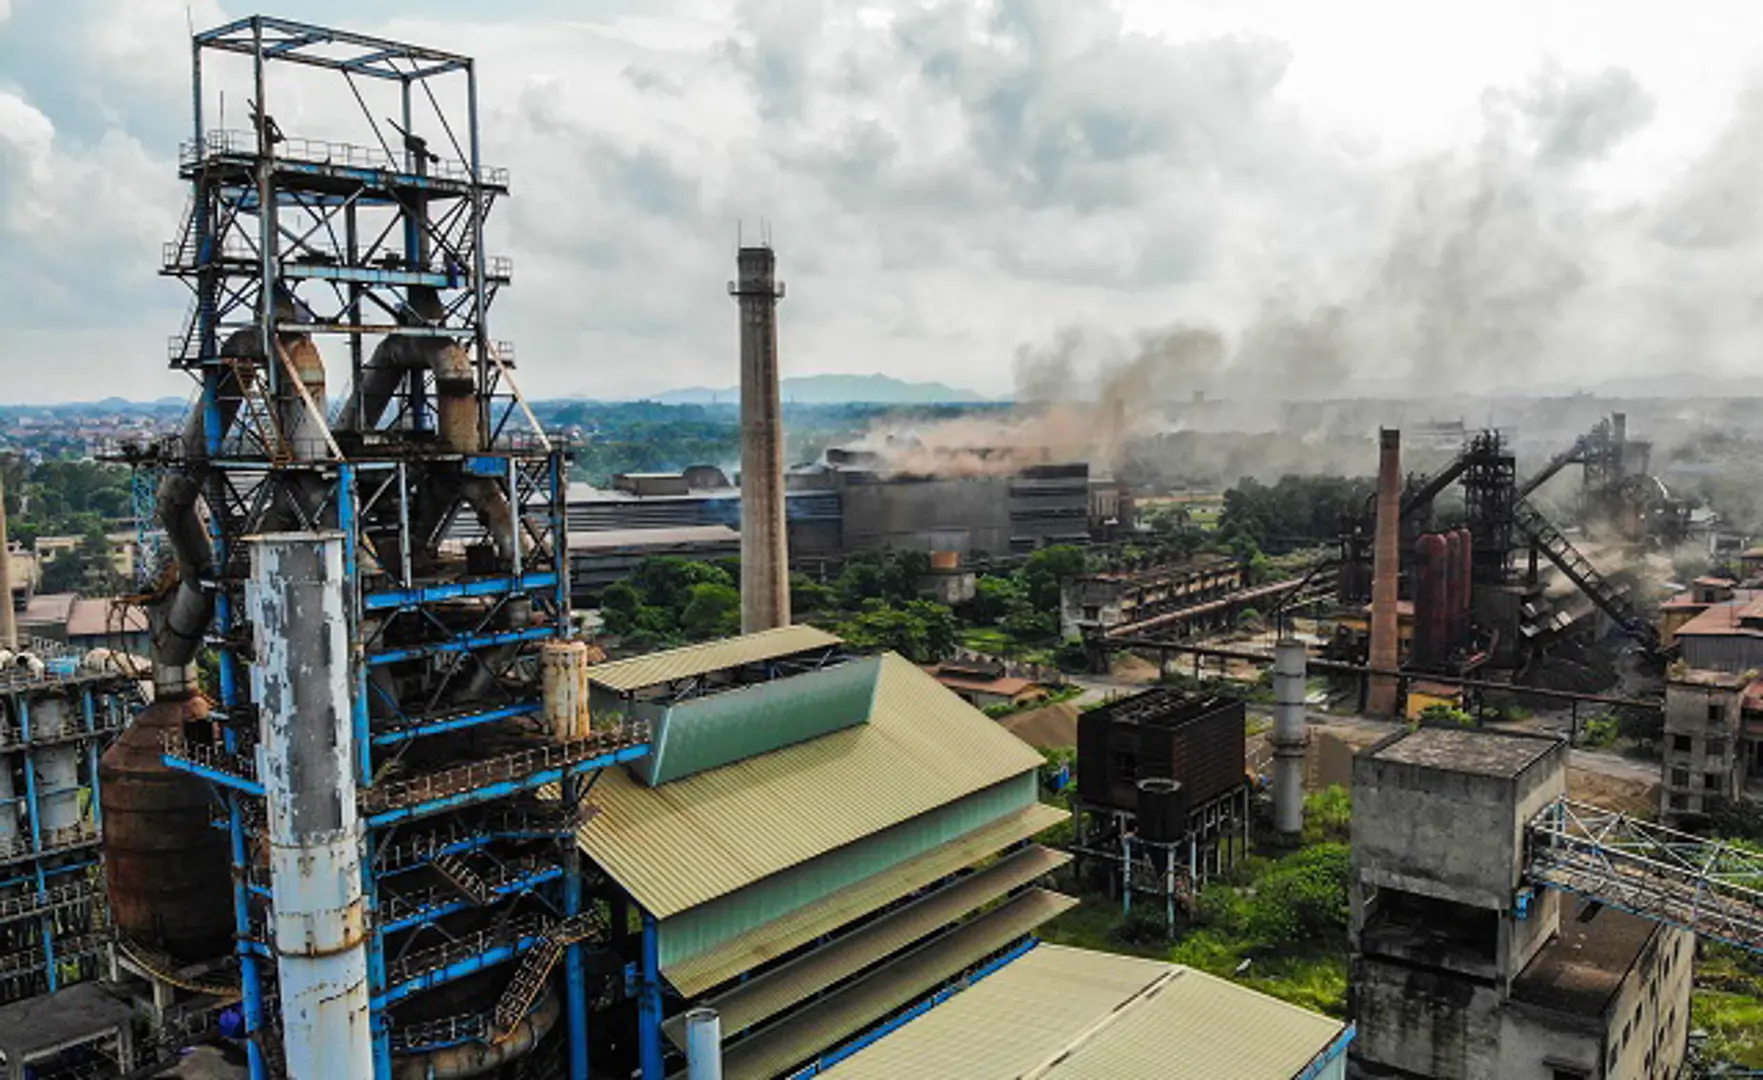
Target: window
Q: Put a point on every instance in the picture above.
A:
(1680, 778)
(1711, 781)
(1715, 712)
(1126, 767)
(1558, 1073)
(1680, 743)
(1717, 748)
(1680, 802)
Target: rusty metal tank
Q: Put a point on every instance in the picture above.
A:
(168, 868)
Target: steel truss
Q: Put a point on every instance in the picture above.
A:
(1708, 887)
(456, 558)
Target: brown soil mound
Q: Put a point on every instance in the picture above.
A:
(1047, 728)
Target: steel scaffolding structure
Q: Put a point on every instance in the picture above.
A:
(55, 720)
(1707, 887)
(449, 500)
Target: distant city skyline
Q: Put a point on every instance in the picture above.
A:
(1467, 195)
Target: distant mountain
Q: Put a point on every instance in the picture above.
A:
(833, 390)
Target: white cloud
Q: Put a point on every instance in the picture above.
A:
(946, 181)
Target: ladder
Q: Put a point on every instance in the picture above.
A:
(1582, 573)
(461, 876)
(535, 968)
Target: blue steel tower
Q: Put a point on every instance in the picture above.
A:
(448, 499)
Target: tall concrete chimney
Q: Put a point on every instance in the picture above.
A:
(307, 764)
(765, 557)
(1386, 569)
(8, 621)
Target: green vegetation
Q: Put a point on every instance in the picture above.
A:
(1728, 1005)
(69, 498)
(1445, 716)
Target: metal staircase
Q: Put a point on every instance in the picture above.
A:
(459, 874)
(1582, 573)
(1711, 888)
(535, 968)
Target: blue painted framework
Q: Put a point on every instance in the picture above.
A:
(233, 195)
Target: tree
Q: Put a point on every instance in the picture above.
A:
(1045, 571)
(923, 631)
(808, 596)
(712, 610)
(1303, 898)
(993, 597)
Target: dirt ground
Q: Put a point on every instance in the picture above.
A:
(1047, 728)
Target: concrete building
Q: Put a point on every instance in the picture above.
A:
(1117, 598)
(1713, 742)
(1726, 635)
(1460, 970)
(1070, 1014)
(984, 682)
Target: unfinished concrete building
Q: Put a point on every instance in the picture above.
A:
(1461, 968)
(1712, 745)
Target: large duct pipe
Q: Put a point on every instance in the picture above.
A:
(1386, 568)
(307, 763)
(477, 1058)
(1289, 691)
(703, 1044)
(765, 557)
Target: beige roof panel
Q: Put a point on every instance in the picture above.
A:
(656, 668)
(695, 974)
(1072, 1014)
(684, 843)
(767, 995)
(850, 1009)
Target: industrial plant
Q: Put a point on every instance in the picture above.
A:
(352, 786)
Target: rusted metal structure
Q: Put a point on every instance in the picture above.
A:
(765, 557)
(56, 716)
(445, 577)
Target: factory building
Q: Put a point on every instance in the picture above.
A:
(1070, 1014)
(817, 840)
(1461, 968)
(1108, 600)
(846, 504)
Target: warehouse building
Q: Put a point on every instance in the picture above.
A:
(1059, 1013)
(818, 840)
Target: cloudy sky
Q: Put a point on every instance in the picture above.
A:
(1462, 194)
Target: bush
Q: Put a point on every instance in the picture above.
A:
(1302, 898)
(1328, 815)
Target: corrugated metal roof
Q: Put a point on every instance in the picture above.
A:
(771, 993)
(661, 667)
(682, 844)
(1072, 1014)
(849, 1010)
(696, 974)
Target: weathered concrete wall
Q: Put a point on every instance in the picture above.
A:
(1534, 1043)
(881, 514)
(1423, 1023)
(1655, 1000)
(1452, 835)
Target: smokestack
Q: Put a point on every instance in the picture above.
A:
(703, 1044)
(765, 563)
(301, 676)
(1386, 568)
(1289, 692)
(8, 621)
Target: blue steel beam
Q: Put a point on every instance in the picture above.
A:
(214, 776)
(454, 723)
(462, 643)
(504, 788)
(455, 971)
(649, 1003)
(491, 586)
(441, 911)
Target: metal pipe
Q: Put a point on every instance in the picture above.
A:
(563, 668)
(1386, 571)
(649, 1003)
(765, 557)
(703, 1044)
(301, 678)
(1289, 657)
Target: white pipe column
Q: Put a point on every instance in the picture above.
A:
(703, 1044)
(307, 763)
(1289, 691)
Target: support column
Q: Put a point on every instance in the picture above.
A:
(1288, 736)
(649, 1002)
(302, 678)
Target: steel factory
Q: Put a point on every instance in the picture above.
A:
(359, 793)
